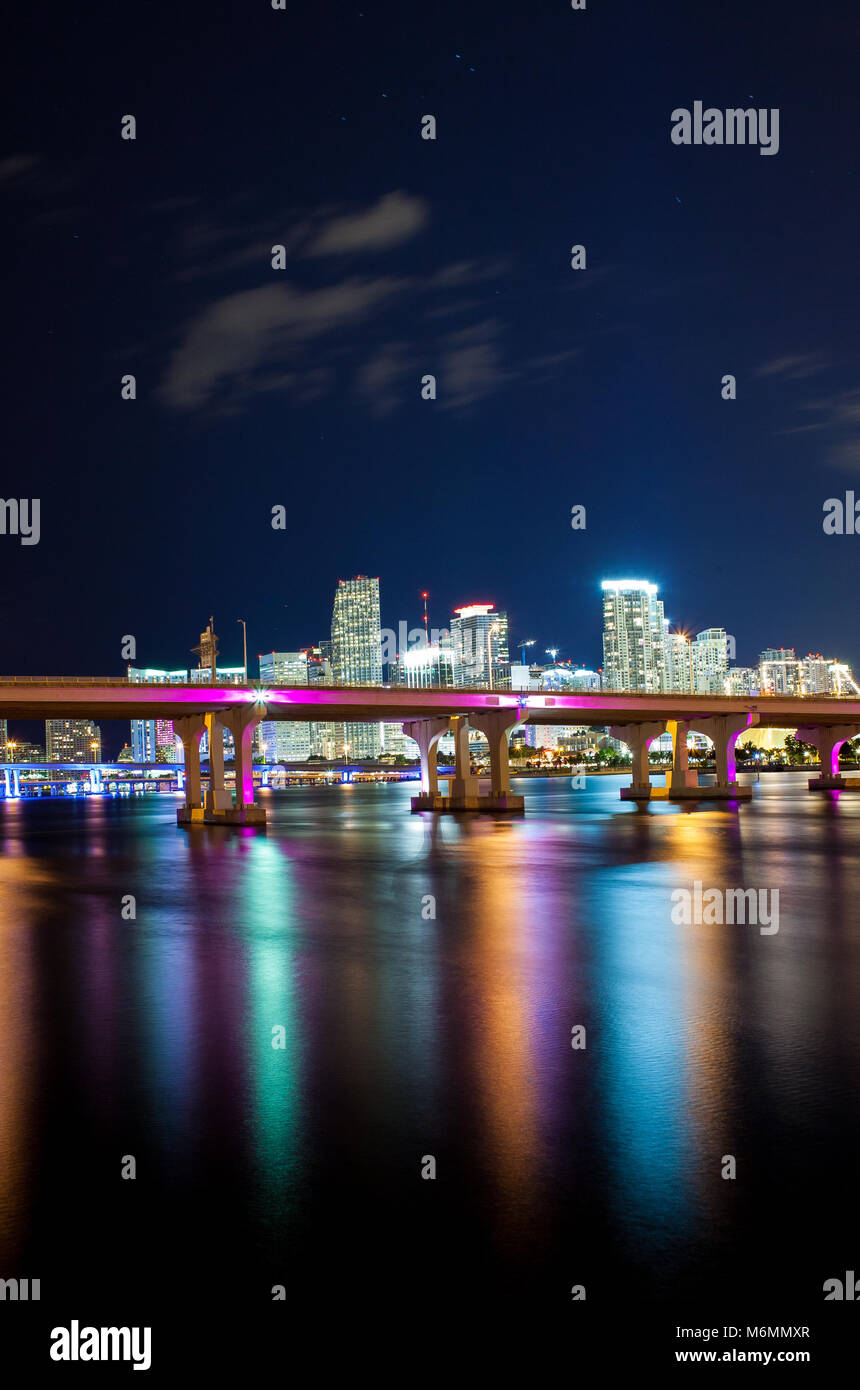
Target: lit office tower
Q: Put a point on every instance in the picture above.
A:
(678, 656)
(72, 741)
(4, 739)
(356, 653)
(781, 672)
(633, 636)
(480, 639)
(710, 661)
(285, 741)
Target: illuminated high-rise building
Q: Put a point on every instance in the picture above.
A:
(285, 741)
(633, 636)
(710, 661)
(356, 653)
(4, 739)
(781, 672)
(678, 663)
(72, 741)
(480, 641)
(743, 680)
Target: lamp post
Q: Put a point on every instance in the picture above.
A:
(244, 649)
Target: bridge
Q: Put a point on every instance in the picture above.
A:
(825, 721)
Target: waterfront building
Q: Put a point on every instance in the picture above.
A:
(356, 654)
(633, 636)
(678, 658)
(781, 672)
(710, 661)
(479, 639)
(72, 741)
(743, 680)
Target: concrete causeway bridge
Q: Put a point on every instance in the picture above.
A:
(825, 721)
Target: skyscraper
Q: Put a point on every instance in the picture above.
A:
(633, 636)
(284, 740)
(356, 654)
(710, 661)
(678, 661)
(480, 639)
(781, 672)
(72, 741)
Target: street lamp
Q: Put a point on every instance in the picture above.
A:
(494, 627)
(11, 745)
(244, 649)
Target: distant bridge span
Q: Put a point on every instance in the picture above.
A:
(824, 720)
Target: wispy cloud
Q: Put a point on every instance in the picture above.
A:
(260, 329)
(793, 368)
(395, 218)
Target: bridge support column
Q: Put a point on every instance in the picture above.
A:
(427, 733)
(464, 783)
(828, 739)
(724, 730)
(242, 723)
(190, 728)
(496, 727)
(217, 798)
(464, 793)
(638, 738)
(681, 777)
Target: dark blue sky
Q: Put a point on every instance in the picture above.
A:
(406, 257)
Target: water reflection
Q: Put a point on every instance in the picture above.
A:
(423, 977)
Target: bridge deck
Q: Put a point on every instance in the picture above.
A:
(46, 697)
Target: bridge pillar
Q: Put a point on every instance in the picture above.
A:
(217, 797)
(464, 783)
(681, 776)
(190, 728)
(427, 733)
(464, 792)
(828, 739)
(724, 730)
(496, 726)
(638, 738)
(242, 724)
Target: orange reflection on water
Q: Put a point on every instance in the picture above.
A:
(505, 1080)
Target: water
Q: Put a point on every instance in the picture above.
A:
(407, 1036)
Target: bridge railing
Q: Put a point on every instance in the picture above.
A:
(255, 684)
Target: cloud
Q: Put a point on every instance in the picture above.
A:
(471, 367)
(380, 380)
(394, 219)
(839, 419)
(256, 329)
(793, 368)
(16, 166)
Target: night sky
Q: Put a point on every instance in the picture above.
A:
(405, 256)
